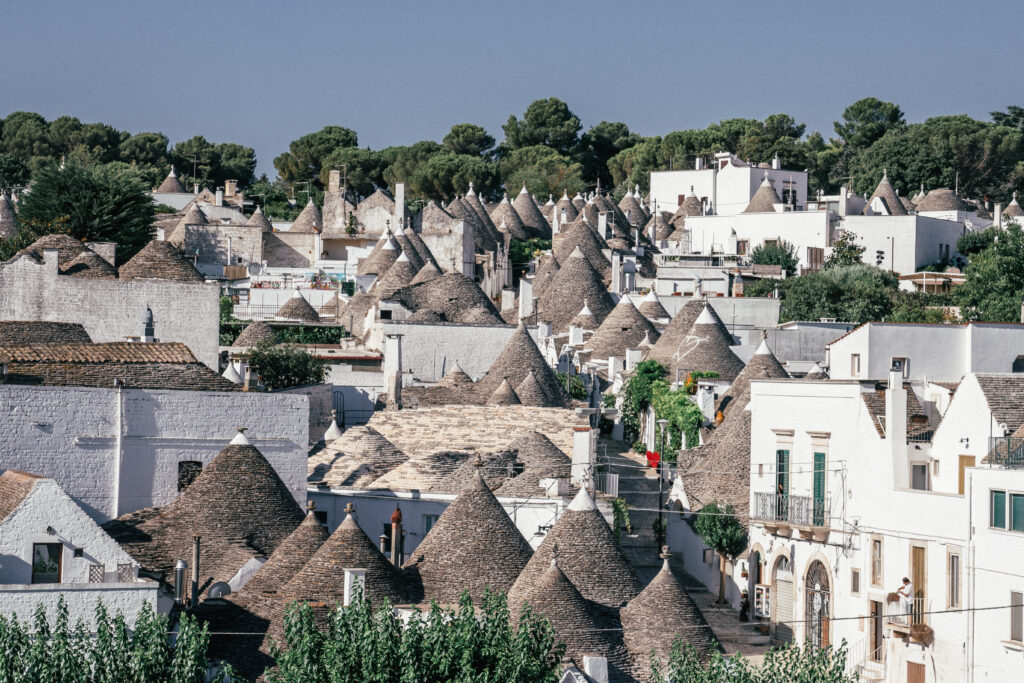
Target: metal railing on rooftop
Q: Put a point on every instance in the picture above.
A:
(1006, 451)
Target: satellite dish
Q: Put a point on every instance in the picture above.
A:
(219, 590)
(254, 269)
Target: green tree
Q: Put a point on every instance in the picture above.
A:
(307, 156)
(974, 241)
(470, 139)
(1012, 117)
(637, 394)
(994, 282)
(858, 293)
(780, 253)
(867, 120)
(790, 662)
(197, 161)
(721, 530)
(404, 163)
(543, 170)
(236, 163)
(281, 366)
(845, 251)
(13, 172)
(98, 204)
(147, 152)
(601, 143)
(917, 307)
(778, 135)
(547, 122)
(683, 415)
(26, 135)
(364, 168)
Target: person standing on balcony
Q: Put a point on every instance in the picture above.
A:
(906, 593)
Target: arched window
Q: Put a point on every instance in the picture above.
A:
(781, 597)
(816, 604)
(1018, 364)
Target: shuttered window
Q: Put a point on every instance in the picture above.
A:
(1016, 616)
(997, 507)
(1017, 511)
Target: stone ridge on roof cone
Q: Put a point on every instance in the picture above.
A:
(323, 577)
(259, 220)
(505, 215)
(472, 545)
(765, 199)
(309, 220)
(473, 202)
(666, 603)
(407, 249)
(885, 192)
(171, 184)
(519, 357)
(503, 395)
(574, 282)
(581, 626)
(588, 554)
(160, 261)
(455, 376)
(534, 221)
(298, 309)
(290, 557)
(624, 328)
(256, 332)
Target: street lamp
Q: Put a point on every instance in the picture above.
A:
(660, 531)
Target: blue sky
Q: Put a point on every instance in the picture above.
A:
(264, 73)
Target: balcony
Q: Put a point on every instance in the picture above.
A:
(910, 618)
(782, 513)
(1005, 451)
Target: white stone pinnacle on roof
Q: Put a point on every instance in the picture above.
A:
(401, 257)
(231, 374)
(582, 502)
(333, 431)
(586, 309)
(470, 192)
(390, 244)
(577, 252)
(565, 194)
(651, 297)
(240, 438)
(297, 294)
(762, 349)
(523, 191)
(705, 317)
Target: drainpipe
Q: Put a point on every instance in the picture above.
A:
(971, 553)
(195, 571)
(118, 446)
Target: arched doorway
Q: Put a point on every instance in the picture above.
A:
(782, 609)
(816, 604)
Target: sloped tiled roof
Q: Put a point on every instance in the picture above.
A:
(534, 221)
(356, 459)
(1005, 397)
(160, 260)
(381, 258)
(420, 247)
(427, 273)
(541, 459)
(691, 206)
(662, 228)
(1013, 209)
(26, 332)
(400, 274)
(547, 267)
(676, 341)
(353, 313)
(583, 236)
(193, 216)
(762, 364)
(571, 212)
(588, 554)
(529, 391)
(15, 485)
(472, 200)
(651, 308)
(630, 208)
(473, 544)
(706, 348)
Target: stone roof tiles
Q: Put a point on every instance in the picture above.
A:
(575, 282)
(400, 274)
(160, 260)
(259, 220)
(503, 395)
(453, 296)
(624, 328)
(357, 459)
(29, 332)
(533, 220)
(765, 199)
(255, 333)
(309, 220)
(15, 485)
(887, 193)
(297, 309)
(507, 220)
(290, 556)
(651, 308)
(381, 258)
(941, 199)
(171, 184)
(520, 357)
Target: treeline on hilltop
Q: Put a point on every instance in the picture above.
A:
(547, 149)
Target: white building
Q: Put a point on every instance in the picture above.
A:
(50, 548)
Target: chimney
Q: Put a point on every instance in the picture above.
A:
(51, 259)
(615, 366)
(393, 369)
(508, 299)
(230, 188)
(602, 225)
(576, 333)
(583, 456)
(896, 425)
(698, 164)
(355, 579)
(251, 381)
(195, 571)
(334, 180)
(195, 189)
(543, 329)
(776, 162)
(596, 668)
(397, 541)
(616, 286)
(633, 356)
(179, 582)
(525, 298)
(997, 215)
(706, 400)
(399, 218)
(219, 201)
(148, 334)
(842, 200)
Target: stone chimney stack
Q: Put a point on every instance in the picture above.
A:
(896, 425)
(148, 334)
(602, 225)
(334, 180)
(230, 188)
(997, 214)
(397, 541)
(584, 452)
(596, 668)
(393, 369)
(399, 218)
(251, 381)
(219, 198)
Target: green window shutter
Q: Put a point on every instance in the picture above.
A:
(782, 470)
(819, 489)
(1017, 511)
(998, 508)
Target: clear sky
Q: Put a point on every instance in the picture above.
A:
(263, 73)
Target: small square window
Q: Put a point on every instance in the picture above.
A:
(79, 552)
(855, 581)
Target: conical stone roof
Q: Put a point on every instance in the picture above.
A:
(519, 357)
(407, 249)
(530, 393)
(666, 603)
(290, 557)
(886, 193)
(427, 273)
(353, 315)
(630, 208)
(360, 456)
(331, 307)
(507, 220)
(171, 183)
(420, 247)
(89, 264)
(583, 236)
(651, 308)
(455, 377)
(585, 320)
(541, 459)
(323, 577)
(691, 206)
(662, 228)
(588, 554)
(547, 266)
(381, 258)
(298, 309)
(579, 202)
(193, 216)
(624, 328)
(765, 199)
(309, 220)
(706, 349)
(472, 545)
(503, 396)
(575, 282)
(942, 199)
(570, 212)
(1013, 209)
(674, 335)
(400, 274)
(160, 260)
(259, 220)
(762, 364)
(816, 373)
(255, 333)
(483, 215)
(533, 220)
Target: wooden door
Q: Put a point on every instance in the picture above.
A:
(965, 461)
(876, 631)
(917, 576)
(915, 672)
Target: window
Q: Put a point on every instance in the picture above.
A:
(428, 523)
(385, 315)
(855, 364)
(902, 364)
(953, 575)
(876, 562)
(919, 478)
(1018, 364)
(96, 573)
(1017, 511)
(855, 581)
(815, 258)
(188, 470)
(1016, 616)
(997, 507)
(46, 561)
(769, 244)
